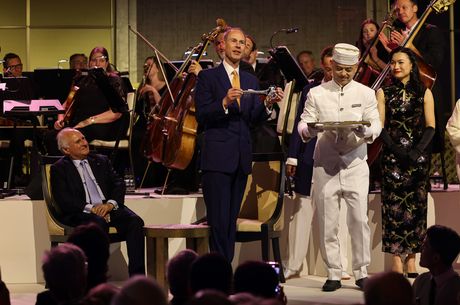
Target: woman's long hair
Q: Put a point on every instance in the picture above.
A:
(414, 81)
(360, 43)
(104, 52)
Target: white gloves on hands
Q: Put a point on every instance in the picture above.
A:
(363, 131)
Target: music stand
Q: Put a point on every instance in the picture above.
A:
(29, 108)
(54, 83)
(17, 88)
(289, 66)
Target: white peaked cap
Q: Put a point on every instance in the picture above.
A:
(345, 54)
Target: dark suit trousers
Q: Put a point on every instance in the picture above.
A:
(130, 227)
(223, 194)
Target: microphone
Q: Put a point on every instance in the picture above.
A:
(292, 30)
(287, 31)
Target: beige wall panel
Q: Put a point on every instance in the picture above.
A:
(12, 13)
(49, 46)
(13, 40)
(67, 12)
(174, 25)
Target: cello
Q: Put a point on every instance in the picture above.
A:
(180, 123)
(152, 141)
(156, 133)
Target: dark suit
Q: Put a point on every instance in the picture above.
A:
(226, 154)
(69, 194)
(301, 151)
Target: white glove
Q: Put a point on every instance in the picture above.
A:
(315, 130)
(363, 131)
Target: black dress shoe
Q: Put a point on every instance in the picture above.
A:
(331, 285)
(361, 282)
(412, 275)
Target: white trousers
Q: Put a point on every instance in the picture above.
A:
(300, 224)
(351, 185)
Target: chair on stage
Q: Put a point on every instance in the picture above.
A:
(261, 214)
(58, 231)
(123, 143)
(6, 157)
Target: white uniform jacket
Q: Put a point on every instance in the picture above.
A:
(340, 148)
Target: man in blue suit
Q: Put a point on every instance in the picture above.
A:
(226, 116)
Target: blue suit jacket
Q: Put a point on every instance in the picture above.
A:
(226, 138)
(303, 152)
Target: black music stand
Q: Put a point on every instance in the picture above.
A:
(17, 88)
(54, 83)
(289, 66)
(16, 110)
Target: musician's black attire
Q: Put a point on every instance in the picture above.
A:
(91, 100)
(97, 93)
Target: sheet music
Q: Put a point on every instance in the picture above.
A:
(32, 106)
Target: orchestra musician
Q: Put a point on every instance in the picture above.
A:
(147, 99)
(377, 54)
(78, 61)
(430, 45)
(98, 104)
(12, 65)
(306, 62)
(226, 115)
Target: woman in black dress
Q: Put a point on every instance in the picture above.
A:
(407, 112)
(99, 102)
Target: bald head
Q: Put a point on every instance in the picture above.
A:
(388, 288)
(72, 143)
(140, 290)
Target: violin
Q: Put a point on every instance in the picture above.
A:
(69, 105)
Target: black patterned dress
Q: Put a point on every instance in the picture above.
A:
(404, 182)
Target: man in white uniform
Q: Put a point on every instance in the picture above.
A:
(340, 168)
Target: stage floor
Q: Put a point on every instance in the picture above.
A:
(21, 252)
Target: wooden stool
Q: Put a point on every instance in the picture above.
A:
(196, 238)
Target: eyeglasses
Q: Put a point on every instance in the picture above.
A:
(99, 59)
(15, 67)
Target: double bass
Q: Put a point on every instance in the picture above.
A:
(180, 122)
(427, 73)
(171, 134)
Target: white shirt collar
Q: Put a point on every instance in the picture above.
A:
(229, 69)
